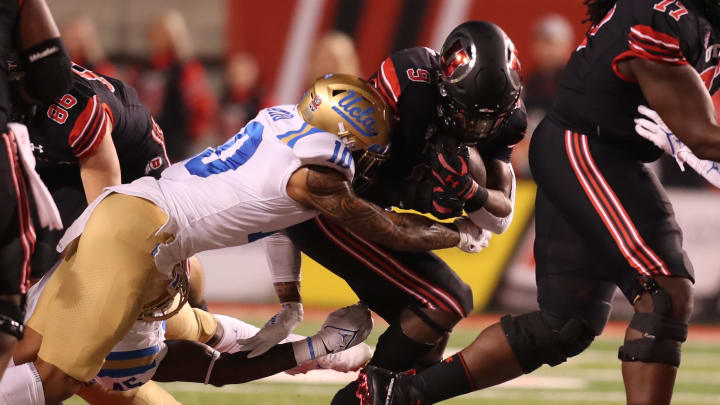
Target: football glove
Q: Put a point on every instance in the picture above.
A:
(472, 238)
(346, 327)
(453, 186)
(274, 331)
(650, 126)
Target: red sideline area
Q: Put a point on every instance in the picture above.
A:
(710, 333)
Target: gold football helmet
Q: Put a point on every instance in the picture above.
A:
(351, 108)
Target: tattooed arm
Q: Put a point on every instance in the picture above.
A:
(328, 191)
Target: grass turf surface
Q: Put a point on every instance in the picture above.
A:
(592, 378)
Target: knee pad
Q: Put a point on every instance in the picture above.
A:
(661, 333)
(11, 319)
(539, 338)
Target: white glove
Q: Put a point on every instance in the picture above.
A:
(656, 131)
(651, 127)
(275, 330)
(472, 238)
(346, 327)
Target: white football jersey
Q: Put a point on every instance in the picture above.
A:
(135, 359)
(235, 193)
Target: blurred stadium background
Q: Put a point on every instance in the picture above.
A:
(205, 67)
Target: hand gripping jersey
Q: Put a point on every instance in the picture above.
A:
(408, 81)
(594, 98)
(235, 193)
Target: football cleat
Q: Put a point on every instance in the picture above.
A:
(378, 386)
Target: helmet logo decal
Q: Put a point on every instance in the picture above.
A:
(513, 60)
(360, 119)
(454, 58)
(315, 103)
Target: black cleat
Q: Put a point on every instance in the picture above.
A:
(378, 386)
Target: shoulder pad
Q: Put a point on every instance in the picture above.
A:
(314, 146)
(663, 31)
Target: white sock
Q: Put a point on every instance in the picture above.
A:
(309, 349)
(21, 385)
(233, 329)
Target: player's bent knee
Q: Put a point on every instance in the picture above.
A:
(663, 328)
(427, 325)
(540, 337)
(680, 292)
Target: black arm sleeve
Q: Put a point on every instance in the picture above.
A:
(47, 70)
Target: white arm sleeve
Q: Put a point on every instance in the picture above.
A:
(283, 258)
(485, 220)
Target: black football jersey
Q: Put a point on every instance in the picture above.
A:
(70, 130)
(8, 19)
(408, 81)
(596, 99)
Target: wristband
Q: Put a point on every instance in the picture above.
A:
(43, 50)
(478, 200)
(48, 72)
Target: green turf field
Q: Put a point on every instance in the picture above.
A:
(593, 378)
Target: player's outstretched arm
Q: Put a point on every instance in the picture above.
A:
(679, 96)
(283, 260)
(328, 191)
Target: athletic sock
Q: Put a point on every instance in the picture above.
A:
(21, 385)
(447, 379)
(309, 349)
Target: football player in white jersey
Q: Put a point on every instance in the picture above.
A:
(287, 165)
(144, 351)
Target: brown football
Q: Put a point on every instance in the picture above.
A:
(476, 167)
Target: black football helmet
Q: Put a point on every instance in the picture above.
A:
(479, 81)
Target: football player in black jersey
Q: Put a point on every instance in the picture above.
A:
(469, 92)
(28, 28)
(96, 135)
(77, 160)
(603, 220)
